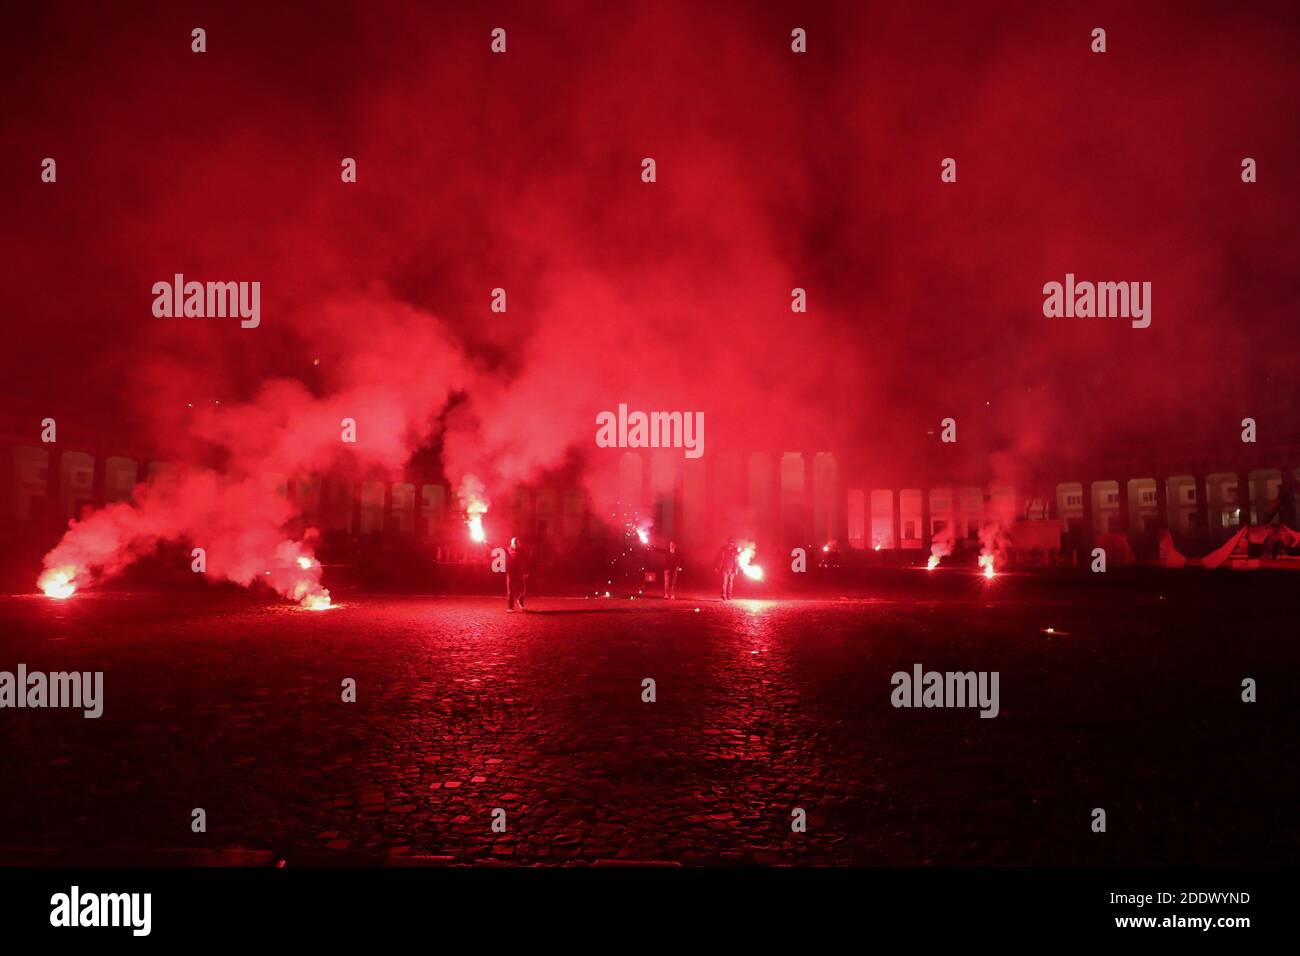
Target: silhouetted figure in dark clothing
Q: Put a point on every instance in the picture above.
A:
(516, 575)
(672, 566)
(728, 565)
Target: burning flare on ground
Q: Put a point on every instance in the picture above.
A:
(993, 542)
(311, 595)
(941, 547)
(235, 527)
(751, 571)
(317, 602)
(58, 582)
(297, 576)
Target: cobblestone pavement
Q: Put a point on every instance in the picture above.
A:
(229, 703)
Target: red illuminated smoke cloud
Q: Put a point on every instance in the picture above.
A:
(775, 170)
(225, 496)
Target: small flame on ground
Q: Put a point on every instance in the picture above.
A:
(311, 595)
(942, 545)
(320, 601)
(57, 582)
(300, 581)
(752, 571)
(993, 542)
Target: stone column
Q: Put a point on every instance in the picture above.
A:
(387, 521)
(1162, 500)
(419, 529)
(898, 519)
(54, 486)
(957, 519)
(8, 481)
(808, 513)
(356, 508)
(1202, 504)
(323, 519)
(1089, 525)
(98, 480)
(139, 472)
(926, 533)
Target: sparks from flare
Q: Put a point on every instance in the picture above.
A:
(474, 499)
(636, 531)
(986, 562)
(474, 511)
(751, 571)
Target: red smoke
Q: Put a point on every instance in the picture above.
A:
(522, 171)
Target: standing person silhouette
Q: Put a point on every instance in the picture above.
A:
(516, 575)
(672, 566)
(728, 564)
